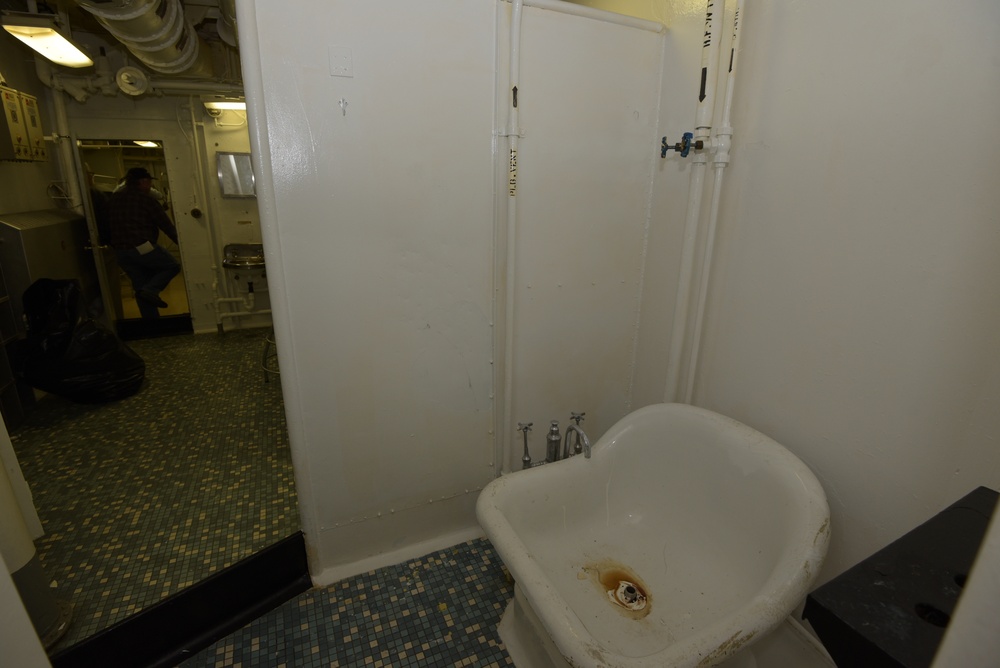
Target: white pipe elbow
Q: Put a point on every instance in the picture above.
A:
(75, 90)
(722, 143)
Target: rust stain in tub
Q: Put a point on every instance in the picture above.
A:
(620, 585)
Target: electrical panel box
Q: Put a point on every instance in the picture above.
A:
(33, 124)
(13, 143)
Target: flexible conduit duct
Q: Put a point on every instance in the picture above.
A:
(226, 25)
(156, 32)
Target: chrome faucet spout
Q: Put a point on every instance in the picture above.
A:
(581, 437)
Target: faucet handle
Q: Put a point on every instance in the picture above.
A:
(577, 416)
(524, 428)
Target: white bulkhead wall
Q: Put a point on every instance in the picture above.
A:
(376, 198)
(854, 314)
(381, 135)
(848, 316)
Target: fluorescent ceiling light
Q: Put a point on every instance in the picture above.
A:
(226, 105)
(146, 143)
(41, 34)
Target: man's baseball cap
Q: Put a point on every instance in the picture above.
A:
(137, 173)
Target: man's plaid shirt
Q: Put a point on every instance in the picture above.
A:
(135, 218)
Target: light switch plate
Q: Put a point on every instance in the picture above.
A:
(341, 62)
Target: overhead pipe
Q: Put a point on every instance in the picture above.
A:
(156, 32)
(721, 145)
(105, 82)
(77, 88)
(513, 133)
(702, 132)
(195, 87)
(133, 81)
(105, 79)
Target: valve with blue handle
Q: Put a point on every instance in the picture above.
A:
(683, 147)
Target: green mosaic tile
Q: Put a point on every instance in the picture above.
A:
(142, 497)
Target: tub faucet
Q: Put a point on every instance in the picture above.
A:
(525, 427)
(582, 443)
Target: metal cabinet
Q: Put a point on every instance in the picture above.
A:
(45, 244)
(11, 404)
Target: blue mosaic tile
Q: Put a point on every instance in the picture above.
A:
(438, 610)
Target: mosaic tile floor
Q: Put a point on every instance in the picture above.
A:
(142, 497)
(439, 610)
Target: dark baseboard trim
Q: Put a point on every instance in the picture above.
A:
(189, 621)
(149, 328)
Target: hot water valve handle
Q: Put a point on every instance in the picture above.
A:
(683, 147)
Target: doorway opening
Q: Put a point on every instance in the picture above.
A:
(144, 497)
(105, 163)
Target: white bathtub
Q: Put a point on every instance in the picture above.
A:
(722, 528)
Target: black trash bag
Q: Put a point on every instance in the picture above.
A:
(70, 355)
(51, 311)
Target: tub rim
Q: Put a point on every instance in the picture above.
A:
(757, 617)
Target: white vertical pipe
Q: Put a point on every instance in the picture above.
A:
(66, 153)
(61, 134)
(513, 132)
(688, 392)
(722, 144)
(702, 132)
(734, 54)
(710, 52)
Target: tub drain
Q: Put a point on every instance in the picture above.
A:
(628, 595)
(622, 586)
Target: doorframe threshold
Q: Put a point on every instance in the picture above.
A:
(194, 618)
(149, 328)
